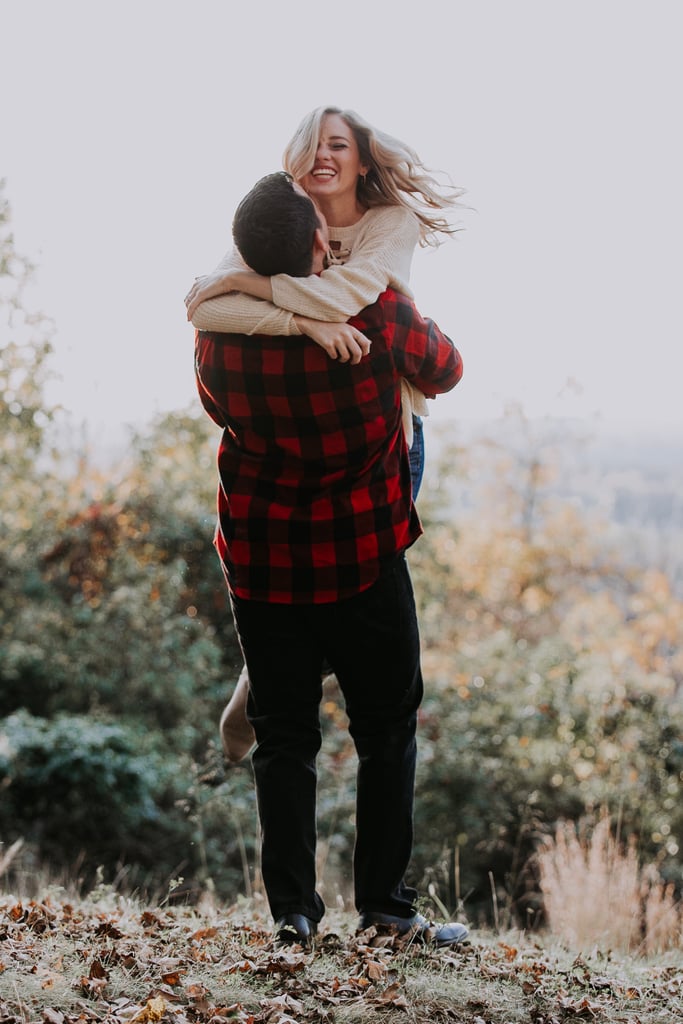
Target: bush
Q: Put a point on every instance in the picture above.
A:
(75, 785)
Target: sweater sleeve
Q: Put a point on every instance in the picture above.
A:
(380, 257)
(237, 313)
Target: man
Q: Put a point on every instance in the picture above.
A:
(314, 516)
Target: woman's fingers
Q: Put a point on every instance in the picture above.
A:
(353, 347)
(363, 342)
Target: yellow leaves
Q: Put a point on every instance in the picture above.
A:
(153, 1010)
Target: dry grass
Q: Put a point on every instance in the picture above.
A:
(110, 959)
(597, 896)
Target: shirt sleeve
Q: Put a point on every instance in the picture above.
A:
(422, 353)
(202, 352)
(381, 257)
(237, 313)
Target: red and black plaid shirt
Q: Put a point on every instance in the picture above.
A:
(314, 491)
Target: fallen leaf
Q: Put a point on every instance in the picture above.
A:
(375, 970)
(393, 996)
(172, 978)
(150, 920)
(108, 930)
(98, 970)
(53, 1016)
(196, 991)
(153, 1010)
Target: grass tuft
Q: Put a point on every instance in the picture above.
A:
(596, 894)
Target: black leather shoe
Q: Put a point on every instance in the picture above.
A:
(295, 928)
(422, 930)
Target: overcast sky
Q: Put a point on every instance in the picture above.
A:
(129, 130)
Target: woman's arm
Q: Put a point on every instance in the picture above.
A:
(381, 256)
(231, 275)
(211, 309)
(241, 314)
(339, 341)
(238, 313)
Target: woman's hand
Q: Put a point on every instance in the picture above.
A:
(339, 341)
(207, 287)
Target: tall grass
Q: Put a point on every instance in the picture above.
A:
(596, 894)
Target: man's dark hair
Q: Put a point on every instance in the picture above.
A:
(274, 228)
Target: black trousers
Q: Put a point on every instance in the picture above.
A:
(372, 643)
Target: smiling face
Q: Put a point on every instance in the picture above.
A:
(337, 167)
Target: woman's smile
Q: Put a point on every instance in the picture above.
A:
(336, 170)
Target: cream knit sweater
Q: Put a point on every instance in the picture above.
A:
(368, 256)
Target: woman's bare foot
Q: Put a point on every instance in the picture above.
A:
(237, 735)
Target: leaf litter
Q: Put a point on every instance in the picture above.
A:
(62, 963)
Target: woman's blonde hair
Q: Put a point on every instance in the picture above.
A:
(396, 175)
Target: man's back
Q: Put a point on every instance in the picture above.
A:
(314, 477)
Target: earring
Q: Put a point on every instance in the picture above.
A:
(363, 177)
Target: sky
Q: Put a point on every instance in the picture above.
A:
(130, 130)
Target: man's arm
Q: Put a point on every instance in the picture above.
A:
(205, 355)
(422, 353)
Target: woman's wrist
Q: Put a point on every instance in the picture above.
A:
(251, 283)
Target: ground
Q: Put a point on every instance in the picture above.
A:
(112, 959)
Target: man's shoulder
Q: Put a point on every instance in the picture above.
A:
(390, 304)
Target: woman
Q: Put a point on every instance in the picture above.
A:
(379, 201)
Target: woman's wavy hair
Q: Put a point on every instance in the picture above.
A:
(396, 175)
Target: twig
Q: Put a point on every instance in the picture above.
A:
(494, 897)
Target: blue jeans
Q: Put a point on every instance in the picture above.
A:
(372, 643)
(416, 455)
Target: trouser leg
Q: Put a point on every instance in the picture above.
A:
(284, 663)
(373, 645)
